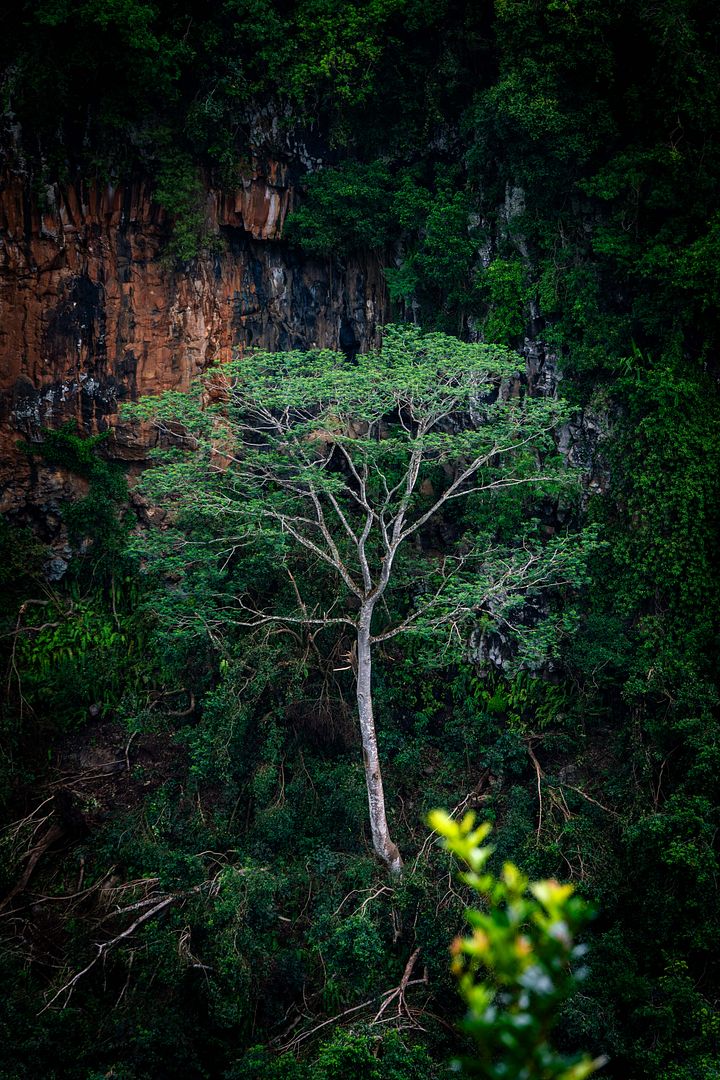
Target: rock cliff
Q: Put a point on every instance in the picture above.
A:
(92, 314)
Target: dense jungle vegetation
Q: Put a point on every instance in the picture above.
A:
(541, 171)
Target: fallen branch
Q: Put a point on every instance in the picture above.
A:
(106, 769)
(104, 947)
(386, 998)
(61, 897)
(294, 1043)
(15, 826)
(589, 798)
(127, 754)
(398, 994)
(55, 832)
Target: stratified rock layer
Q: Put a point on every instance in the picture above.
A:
(91, 313)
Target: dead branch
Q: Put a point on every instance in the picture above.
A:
(54, 833)
(127, 753)
(107, 768)
(64, 897)
(14, 827)
(459, 809)
(363, 906)
(589, 798)
(540, 775)
(104, 947)
(389, 996)
(398, 994)
(293, 1044)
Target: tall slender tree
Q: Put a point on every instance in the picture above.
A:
(351, 465)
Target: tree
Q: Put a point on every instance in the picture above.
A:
(350, 466)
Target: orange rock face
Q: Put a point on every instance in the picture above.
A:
(91, 314)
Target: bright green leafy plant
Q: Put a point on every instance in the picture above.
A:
(518, 965)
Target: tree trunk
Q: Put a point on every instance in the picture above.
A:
(384, 846)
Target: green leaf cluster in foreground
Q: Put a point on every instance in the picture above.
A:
(519, 965)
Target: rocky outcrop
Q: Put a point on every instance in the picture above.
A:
(91, 313)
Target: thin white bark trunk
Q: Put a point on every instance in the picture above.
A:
(383, 844)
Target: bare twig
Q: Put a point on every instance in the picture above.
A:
(102, 948)
(54, 832)
(105, 947)
(589, 798)
(305, 1035)
(398, 994)
(540, 775)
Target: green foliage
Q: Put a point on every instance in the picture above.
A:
(96, 519)
(670, 453)
(507, 292)
(22, 561)
(515, 970)
(347, 209)
(356, 1054)
(75, 645)
(437, 266)
(365, 1057)
(119, 82)
(21, 564)
(66, 447)
(180, 192)
(72, 650)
